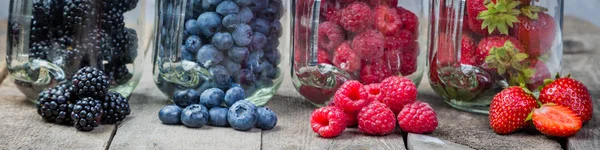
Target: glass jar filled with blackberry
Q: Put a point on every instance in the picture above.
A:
(365, 40)
(50, 40)
(204, 44)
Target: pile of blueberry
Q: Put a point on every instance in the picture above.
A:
(235, 40)
(207, 108)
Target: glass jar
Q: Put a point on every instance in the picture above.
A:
(49, 40)
(365, 40)
(204, 44)
(479, 47)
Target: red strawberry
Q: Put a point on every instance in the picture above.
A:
(571, 93)
(556, 121)
(486, 44)
(501, 15)
(541, 73)
(468, 49)
(387, 20)
(509, 109)
(536, 32)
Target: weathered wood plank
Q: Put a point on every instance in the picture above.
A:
(22, 128)
(473, 130)
(419, 141)
(3, 70)
(293, 131)
(143, 130)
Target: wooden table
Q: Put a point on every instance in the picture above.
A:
(22, 128)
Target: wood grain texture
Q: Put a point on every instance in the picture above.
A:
(3, 69)
(22, 128)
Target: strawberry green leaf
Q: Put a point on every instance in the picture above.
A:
(500, 15)
(521, 56)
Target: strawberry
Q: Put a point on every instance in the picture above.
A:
(510, 108)
(506, 60)
(536, 31)
(490, 17)
(541, 73)
(568, 92)
(555, 120)
(387, 21)
(488, 43)
(468, 49)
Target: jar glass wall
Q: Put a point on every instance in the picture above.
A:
(480, 47)
(220, 44)
(49, 41)
(365, 40)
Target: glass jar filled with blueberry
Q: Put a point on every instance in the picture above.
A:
(366, 40)
(49, 40)
(204, 44)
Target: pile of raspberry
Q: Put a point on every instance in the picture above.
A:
(375, 108)
(371, 38)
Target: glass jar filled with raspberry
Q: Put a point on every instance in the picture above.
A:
(50, 40)
(366, 40)
(206, 44)
(479, 47)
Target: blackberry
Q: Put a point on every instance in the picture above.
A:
(89, 41)
(115, 108)
(121, 46)
(122, 5)
(117, 73)
(55, 104)
(90, 82)
(39, 49)
(112, 19)
(40, 23)
(79, 14)
(87, 113)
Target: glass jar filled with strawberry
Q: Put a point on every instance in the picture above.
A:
(366, 40)
(479, 47)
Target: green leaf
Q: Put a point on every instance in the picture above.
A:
(521, 56)
(548, 81)
(501, 69)
(530, 116)
(528, 72)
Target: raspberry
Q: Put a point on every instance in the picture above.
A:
(330, 35)
(375, 3)
(417, 117)
(323, 57)
(356, 17)
(345, 58)
(410, 21)
(369, 44)
(376, 119)
(346, 1)
(398, 91)
(387, 20)
(374, 72)
(351, 119)
(408, 61)
(403, 38)
(328, 121)
(351, 97)
(374, 91)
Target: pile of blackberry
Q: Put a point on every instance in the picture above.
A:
(84, 103)
(79, 33)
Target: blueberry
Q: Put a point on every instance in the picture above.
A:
(245, 76)
(218, 116)
(242, 115)
(209, 23)
(208, 56)
(269, 70)
(242, 35)
(194, 116)
(230, 21)
(184, 98)
(261, 25)
(170, 114)
(222, 40)
(233, 84)
(227, 7)
(233, 95)
(273, 57)
(210, 4)
(186, 54)
(258, 5)
(220, 75)
(267, 119)
(231, 66)
(212, 97)
(276, 28)
(243, 2)
(238, 54)
(245, 15)
(264, 82)
(259, 41)
(193, 43)
(192, 27)
(253, 62)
